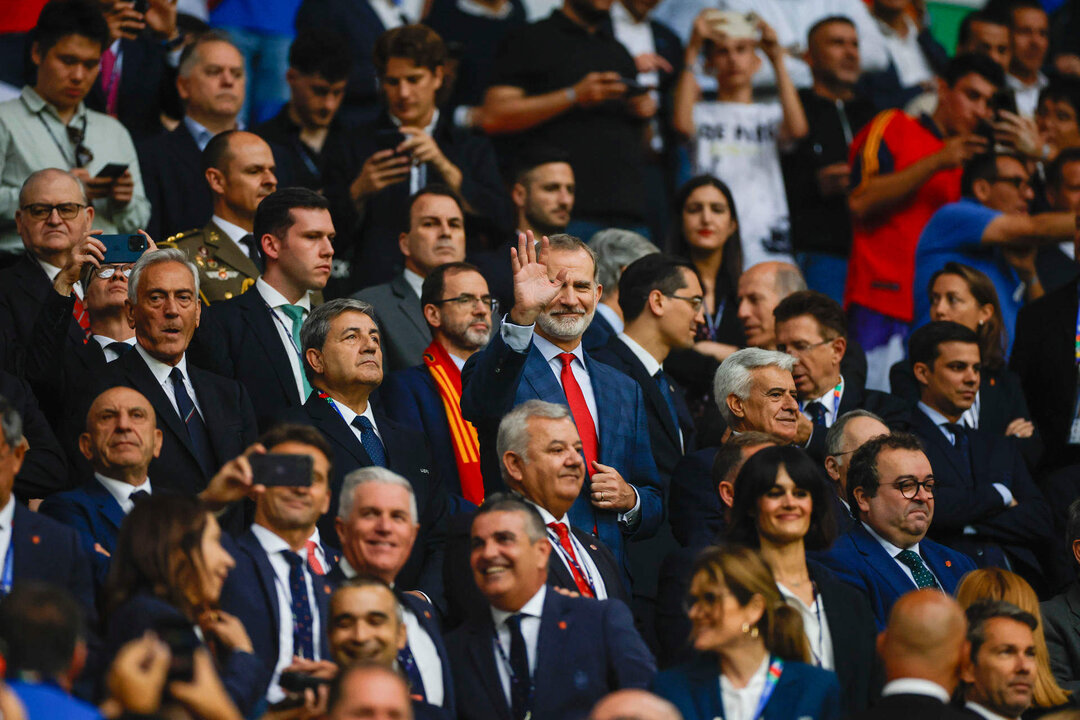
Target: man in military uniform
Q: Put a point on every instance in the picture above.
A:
(239, 169)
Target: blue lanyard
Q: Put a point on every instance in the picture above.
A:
(839, 390)
(9, 568)
(580, 567)
(510, 671)
(776, 667)
(712, 322)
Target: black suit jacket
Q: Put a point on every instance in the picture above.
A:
(237, 339)
(965, 496)
(908, 706)
(24, 289)
(1061, 625)
(408, 456)
(172, 175)
(694, 507)
(1044, 357)
(892, 410)
(47, 551)
(226, 411)
(44, 470)
(147, 87)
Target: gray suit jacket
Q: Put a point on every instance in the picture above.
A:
(405, 333)
(1061, 625)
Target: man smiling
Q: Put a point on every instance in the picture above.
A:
(755, 391)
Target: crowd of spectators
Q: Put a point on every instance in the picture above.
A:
(555, 359)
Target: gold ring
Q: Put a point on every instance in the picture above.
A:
(601, 497)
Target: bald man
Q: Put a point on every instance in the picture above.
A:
(634, 705)
(847, 435)
(761, 288)
(239, 168)
(370, 690)
(923, 648)
(120, 440)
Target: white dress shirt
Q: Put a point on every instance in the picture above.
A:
(893, 551)
(105, 342)
(915, 686)
(348, 415)
(831, 404)
(652, 366)
(395, 14)
(740, 703)
(201, 134)
(283, 325)
(161, 372)
(988, 714)
(273, 545)
(906, 54)
(234, 231)
(815, 626)
(1027, 96)
(592, 573)
(940, 420)
(52, 271)
(122, 491)
(7, 516)
(611, 316)
(415, 281)
(531, 613)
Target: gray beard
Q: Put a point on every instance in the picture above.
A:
(565, 329)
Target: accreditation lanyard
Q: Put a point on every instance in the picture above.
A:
(1074, 432)
(712, 322)
(9, 568)
(772, 677)
(333, 404)
(580, 567)
(288, 333)
(513, 677)
(836, 393)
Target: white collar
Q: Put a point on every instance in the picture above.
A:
(160, 370)
(550, 350)
(415, 281)
(430, 129)
(827, 396)
(273, 543)
(915, 686)
(121, 491)
(105, 342)
(888, 31)
(1016, 83)
(235, 232)
(275, 299)
(547, 516)
(471, 7)
(50, 270)
(652, 366)
(346, 568)
(621, 16)
(611, 316)
(937, 418)
(533, 608)
(7, 514)
(891, 549)
(756, 680)
(984, 712)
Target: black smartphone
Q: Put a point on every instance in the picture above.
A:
(986, 130)
(1003, 100)
(112, 171)
(297, 682)
(120, 249)
(281, 470)
(141, 6)
(388, 139)
(178, 634)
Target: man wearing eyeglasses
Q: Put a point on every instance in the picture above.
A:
(990, 229)
(989, 507)
(458, 309)
(891, 489)
(436, 235)
(49, 126)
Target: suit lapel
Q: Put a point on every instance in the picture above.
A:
(106, 503)
(211, 406)
(555, 630)
(24, 544)
(482, 653)
(144, 381)
(230, 253)
(258, 316)
(408, 303)
(537, 374)
(265, 572)
(880, 561)
(649, 387)
(333, 426)
(933, 435)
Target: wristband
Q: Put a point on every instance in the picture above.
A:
(571, 94)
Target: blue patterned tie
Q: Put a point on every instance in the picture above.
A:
(189, 414)
(303, 644)
(412, 672)
(923, 577)
(372, 444)
(816, 411)
(665, 391)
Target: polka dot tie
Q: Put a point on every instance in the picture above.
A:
(303, 644)
(923, 577)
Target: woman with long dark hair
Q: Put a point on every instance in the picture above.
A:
(783, 506)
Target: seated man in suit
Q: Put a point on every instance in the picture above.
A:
(278, 587)
(120, 441)
(988, 501)
(554, 656)
(367, 625)
(891, 490)
(205, 419)
(999, 678)
(377, 526)
(255, 338)
(923, 649)
(812, 328)
(211, 82)
(755, 390)
(458, 309)
(847, 435)
(538, 355)
(1061, 616)
(239, 168)
(35, 547)
(343, 356)
(436, 235)
(616, 250)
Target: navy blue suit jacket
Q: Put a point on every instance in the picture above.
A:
(249, 593)
(238, 339)
(858, 559)
(803, 691)
(585, 650)
(147, 87)
(94, 514)
(497, 378)
(407, 455)
(697, 515)
(45, 550)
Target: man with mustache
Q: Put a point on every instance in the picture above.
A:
(989, 507)
(436, 235)
(538, 355)
(239, 169)
(458, 310)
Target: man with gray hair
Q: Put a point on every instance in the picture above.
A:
(378, 527)
(206, 420)
(847, 435)
(755, 391)
(340, 343)
(615, 250)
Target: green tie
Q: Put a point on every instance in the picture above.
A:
(923, 577)
(296, 314)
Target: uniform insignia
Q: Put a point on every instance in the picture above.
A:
(203, 251)
(225, 274)
(211, 263)
(199, 260)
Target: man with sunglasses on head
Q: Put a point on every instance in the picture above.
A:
(48, 125)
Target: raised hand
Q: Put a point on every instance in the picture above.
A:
(534, 289)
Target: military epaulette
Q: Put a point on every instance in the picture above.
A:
(172, 240)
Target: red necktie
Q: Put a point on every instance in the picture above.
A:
(580, 410)
(575, 567)
(313, 559)
(82, 317)
(110, 81)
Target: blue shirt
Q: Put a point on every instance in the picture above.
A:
(954, 233)
(269, 17)
(46, 700)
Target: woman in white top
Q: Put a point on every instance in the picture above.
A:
(783, 506)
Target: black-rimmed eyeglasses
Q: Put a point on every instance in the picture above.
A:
(470, 301)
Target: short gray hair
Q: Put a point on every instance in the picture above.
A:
(616, 248)
(10, 423)
(317, 326)
(190, 56)
(154, 257)
(33, 177)
(733, 376)
(535, 529)
(373, 475)
(514, 429)
(563, 241)
(834, 439)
